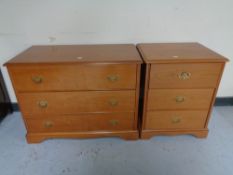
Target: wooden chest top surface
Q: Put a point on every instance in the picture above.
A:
(178, 52)
(109, 53)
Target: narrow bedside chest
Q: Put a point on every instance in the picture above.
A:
(78, 91)
(180, 87)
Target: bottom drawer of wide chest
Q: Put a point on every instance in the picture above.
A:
(175, 119)
(82, 122)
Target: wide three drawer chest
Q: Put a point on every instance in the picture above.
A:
(78, 91)
(181, 81)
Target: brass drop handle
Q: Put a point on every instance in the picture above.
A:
(48, 124)
(43, 104)
(113, 78)
(113, 102)
(114, 122)
(184, 75)
(180, 99)
(37, 79)
(176, 120)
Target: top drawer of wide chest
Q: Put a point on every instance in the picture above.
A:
(185, 75)
(41, 77)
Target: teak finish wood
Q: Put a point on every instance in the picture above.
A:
(176, 119)
(202, 75)
(57, 54)
(178, 53)
(77, 102)
(137, 123)
(39, 137)
(165, 99)
(78, 91)
(81, 122)
(74, 77)
(165, 62)
(199, 133)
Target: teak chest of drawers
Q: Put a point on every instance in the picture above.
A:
(78, 91)
(180, 88)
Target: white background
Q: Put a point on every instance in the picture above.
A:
(28, 22)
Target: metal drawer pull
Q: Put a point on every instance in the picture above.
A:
(180, 99)
(184, 75)
(43, 104)
(48, 124)
(37, 79)
(114, 122)
(176, 120)
(113, 102)
(112, 78)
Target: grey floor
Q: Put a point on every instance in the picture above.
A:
(179, 155)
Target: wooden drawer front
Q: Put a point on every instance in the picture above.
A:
(176, 119)
(76, 102)
(73, 77)
(203, 75)
(84, 122)
(179, 98)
